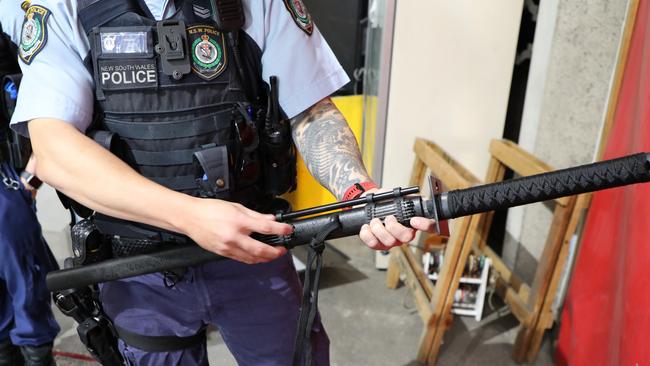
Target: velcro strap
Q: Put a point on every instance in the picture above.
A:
(178, 183)
(111, 226)
(168, 130)
(216, 171)
(160, 343)
(103, 138)
(192, 9)
(163, 158)
(94, 13)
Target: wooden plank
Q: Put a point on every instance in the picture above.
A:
(517, 159)
(409, 258)
(417, 176)
(456, 273)
(538, 330)
(537, 337)
(436, 323)
(514, 301)
(393, 271)
(496, 171)
(417, 172)
(420, 276)
(454, 176)
(546, 317)
(549, 257)
(519, 286)
(542, 281)
(612, 102)
(434, 149)
(520, 161)
(443, 166)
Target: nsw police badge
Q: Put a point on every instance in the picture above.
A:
(34, 32)
(209, 57)
(300, 15)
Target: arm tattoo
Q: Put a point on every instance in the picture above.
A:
(328, 147)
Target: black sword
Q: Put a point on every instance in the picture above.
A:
(623, 171)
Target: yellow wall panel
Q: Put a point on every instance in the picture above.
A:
(309, 192)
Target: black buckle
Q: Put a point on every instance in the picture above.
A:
(65, 303)
(172, 48)
(213, 171)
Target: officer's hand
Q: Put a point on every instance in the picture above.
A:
(224, 228)
(383, 236)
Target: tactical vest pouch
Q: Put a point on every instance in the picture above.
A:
(105, 139)
(114, 227)
(213, 177)
(88, 245)
(280, 177)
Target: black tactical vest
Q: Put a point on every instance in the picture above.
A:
(171, 103)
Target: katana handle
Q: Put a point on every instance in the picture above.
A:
(541, 187)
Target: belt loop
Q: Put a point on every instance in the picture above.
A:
(9, 182)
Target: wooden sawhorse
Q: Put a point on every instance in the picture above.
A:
(531, 305)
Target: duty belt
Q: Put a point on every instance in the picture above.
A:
(125, 247)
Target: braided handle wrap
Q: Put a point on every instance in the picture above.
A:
(541, 187)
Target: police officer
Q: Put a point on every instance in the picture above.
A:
(27, 325)
(179, 147)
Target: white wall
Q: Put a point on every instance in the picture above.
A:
(450, 80)
(535, 88)
(54, 221)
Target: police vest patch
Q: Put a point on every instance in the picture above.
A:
(300, 15)
(127, 74)
(209, 58)
(33, 36)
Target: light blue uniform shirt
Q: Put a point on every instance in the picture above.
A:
(56, 84)
(11, 18)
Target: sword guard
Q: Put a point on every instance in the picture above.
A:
(436, 188)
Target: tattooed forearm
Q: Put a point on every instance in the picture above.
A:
(328, 147)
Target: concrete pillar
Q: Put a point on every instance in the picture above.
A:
(566, 102)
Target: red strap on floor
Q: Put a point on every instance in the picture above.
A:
(74, 356)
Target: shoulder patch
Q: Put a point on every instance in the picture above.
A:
(300, 15)
(33, 36)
